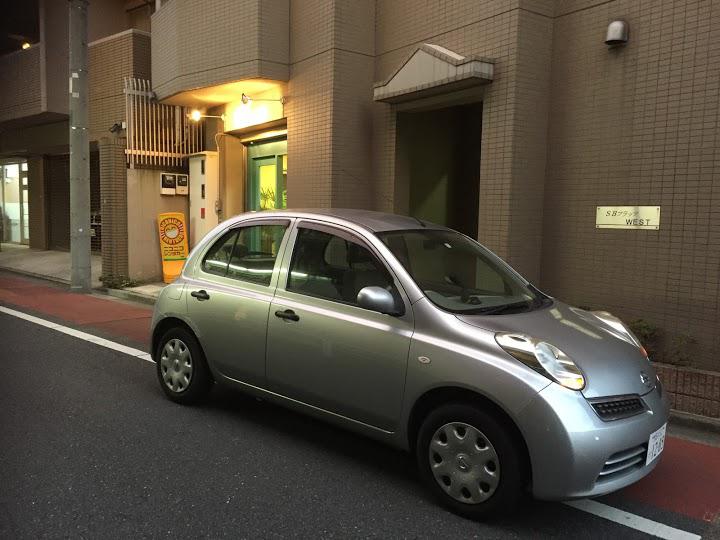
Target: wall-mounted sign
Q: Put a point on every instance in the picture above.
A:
(628, 217)
(168, 183)
(182, 184)
(173, 244)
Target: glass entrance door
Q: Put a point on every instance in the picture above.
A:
(14, 198)
(267, 175)
(24, 205)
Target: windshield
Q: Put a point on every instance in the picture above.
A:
(459, 275)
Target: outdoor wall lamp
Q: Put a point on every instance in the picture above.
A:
(195, 115)
(617, 34)
(247, 99)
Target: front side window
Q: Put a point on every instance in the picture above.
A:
(246, 253)
(335, 267)
(459, 275)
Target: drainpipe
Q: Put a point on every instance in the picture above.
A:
(80, 278)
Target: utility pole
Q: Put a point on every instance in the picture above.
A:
(80, 279)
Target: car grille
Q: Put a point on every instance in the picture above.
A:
(615, 408)
(624, 462)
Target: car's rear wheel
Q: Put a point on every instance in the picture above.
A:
(470, 461)
(181, 367)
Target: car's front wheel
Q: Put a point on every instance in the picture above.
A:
(470, 461)
(181, 367)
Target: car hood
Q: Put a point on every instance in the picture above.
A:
(612, 365)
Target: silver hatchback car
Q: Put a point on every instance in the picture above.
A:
(418, 336)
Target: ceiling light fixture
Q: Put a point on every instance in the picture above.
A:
(247, 99)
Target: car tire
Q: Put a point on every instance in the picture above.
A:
(181, 367)
(478, 471)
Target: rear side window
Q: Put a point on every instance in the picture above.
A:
(217, 258)
(246, 253)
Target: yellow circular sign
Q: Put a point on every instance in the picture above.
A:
(172, 231)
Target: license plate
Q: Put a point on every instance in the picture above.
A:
(656, 444)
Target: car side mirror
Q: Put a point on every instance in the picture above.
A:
(378, 299)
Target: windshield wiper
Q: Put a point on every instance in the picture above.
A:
(497, 310)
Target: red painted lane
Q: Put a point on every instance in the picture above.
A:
(109, 316)
(686, 481)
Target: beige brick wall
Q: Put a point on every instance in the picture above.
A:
(222, 41)
(110, 60)
(113, 196)
(329, 110)
(638, 126)
(514, 109)
(21, 90)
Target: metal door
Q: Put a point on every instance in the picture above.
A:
(335, 355)
(229, 306)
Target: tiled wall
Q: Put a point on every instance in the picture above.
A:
(222, 41)
(110, 60)
(126, 54)
(514, 109)
(329, 109)
(21, 89)
(639, 125)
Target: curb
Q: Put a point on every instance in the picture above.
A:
(694, 421)
(124, 294)
(35, 275)
(45, 277)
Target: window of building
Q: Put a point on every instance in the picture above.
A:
(334, 267)
(246, 253)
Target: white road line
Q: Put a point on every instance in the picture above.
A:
(137, 353)
(631, 520)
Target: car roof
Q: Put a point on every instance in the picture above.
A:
(369, 219)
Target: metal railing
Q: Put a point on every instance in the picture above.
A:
(157, 134)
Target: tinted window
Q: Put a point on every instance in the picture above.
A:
(246, 254)
(334, 267)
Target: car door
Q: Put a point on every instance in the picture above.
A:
(323, 349)
(230, 294)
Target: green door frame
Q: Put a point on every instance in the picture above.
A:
(265, 153)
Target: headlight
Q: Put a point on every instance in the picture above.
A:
(544, 358)
(621, 329)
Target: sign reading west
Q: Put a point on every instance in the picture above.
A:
(628, 217)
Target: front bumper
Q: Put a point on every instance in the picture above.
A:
(569, 445)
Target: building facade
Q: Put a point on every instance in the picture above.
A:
(511, 120)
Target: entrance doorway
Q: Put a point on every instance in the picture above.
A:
(14, 202)
(267, 175)
(438, 154)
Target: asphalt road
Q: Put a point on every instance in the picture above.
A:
(89, 447)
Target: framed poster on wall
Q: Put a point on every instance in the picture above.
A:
(168, 183)
(181, 187)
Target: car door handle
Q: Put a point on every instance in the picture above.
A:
(288, 315)
(200, 295)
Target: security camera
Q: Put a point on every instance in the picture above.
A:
(116, 128)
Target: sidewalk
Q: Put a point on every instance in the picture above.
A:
(52, 265)
(686, 481)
